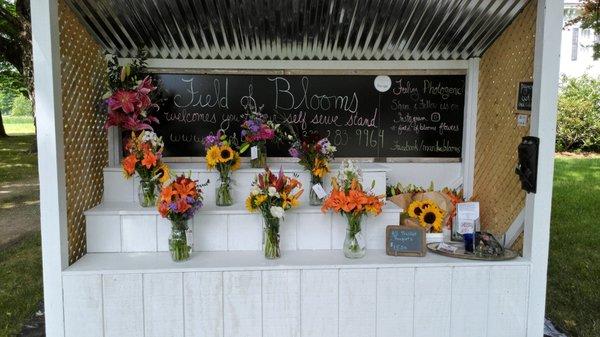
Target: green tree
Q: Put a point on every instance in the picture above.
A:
(6, 100)
(16, 64)
(21, 106)
(589, 18)
(578, 121)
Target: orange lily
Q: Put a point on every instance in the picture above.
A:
(149, 159)
(129, 164)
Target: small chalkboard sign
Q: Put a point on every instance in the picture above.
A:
(405, 241)
(524, 96)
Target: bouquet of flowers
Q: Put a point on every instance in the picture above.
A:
(314, 153)
(178, 202)
(350, 199)
(144, 158)
(272, 195)
(131, 98)
(256, 131)
(428, 215)
(221, 155)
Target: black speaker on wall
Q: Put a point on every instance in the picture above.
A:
(528, 162)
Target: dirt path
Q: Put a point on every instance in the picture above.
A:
(19, 211)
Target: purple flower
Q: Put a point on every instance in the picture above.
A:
(294, 152)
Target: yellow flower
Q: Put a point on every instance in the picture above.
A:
(212, 157)
(320, 168)
(237, 162)
(414, 209)
(432, 216)
(164, 173)
(427, 202)
(260, 199)
(289, 201)
(225, 154)
(250, 204)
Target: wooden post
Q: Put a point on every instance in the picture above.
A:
(543, 125)
(48, 113)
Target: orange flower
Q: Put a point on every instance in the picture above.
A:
(167, 194)
(129, 164)
(149, 159)
(163, 209)
(182, 205)
(186, 188)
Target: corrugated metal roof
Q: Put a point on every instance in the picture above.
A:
(298, 29)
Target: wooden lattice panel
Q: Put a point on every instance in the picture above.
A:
(83, 78)
(507, 62)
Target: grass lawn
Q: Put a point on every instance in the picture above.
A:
(17, 164)
(18, 125)
(573, 301)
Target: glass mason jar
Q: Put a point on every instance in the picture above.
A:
(261, 156)
(313, 197)
(355, 246)
(224, 197)
(271, 238)
(178, 241)
(148, 193)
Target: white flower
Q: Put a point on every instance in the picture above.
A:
(273, 192)
(255, 190)
(277, 212)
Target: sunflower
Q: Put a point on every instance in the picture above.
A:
(225, 154)
(237, 162)
(432, 216)
(260, 199)
(212, 157)
(250, 204)
(163, 172)
(415, 209)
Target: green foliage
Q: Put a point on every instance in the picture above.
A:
(589, 18)
(578, 121)
(126, 76)
(21, 106)
(6, 100)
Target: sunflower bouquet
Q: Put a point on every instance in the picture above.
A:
(350, 200)
(257, 129)
(272, 195)
(179, 201)
(314, 153)
(144, 158)
(220, 155)
(428, 214)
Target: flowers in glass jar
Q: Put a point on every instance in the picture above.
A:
(257, 129)
(221, 155)
(350, 199)
(272, 195)
(131, 98)
(179, 201)
(144, 158)
(314, 154)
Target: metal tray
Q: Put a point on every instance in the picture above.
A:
(462, 254)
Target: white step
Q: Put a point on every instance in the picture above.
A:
(118, 188)
(127, 227)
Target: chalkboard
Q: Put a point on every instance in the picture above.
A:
(419, 116)
(405, 241)
(524, 96)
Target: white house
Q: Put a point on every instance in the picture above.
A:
(576, 47)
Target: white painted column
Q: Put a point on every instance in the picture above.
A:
(470, 127)
(46, 65)
(543, 125)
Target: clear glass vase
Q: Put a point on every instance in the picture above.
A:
(261, 159)
(178, 241)
(355, 246)
(271, 238)
(148, 193)
(224, 197)
(314, 199)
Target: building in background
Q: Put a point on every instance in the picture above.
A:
(576, 46)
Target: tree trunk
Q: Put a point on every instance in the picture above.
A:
(2, 131)
(24, 12)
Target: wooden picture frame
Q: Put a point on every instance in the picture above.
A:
(409, 251)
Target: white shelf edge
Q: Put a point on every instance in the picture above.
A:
(128, 263)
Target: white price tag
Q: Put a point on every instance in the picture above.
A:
(319, 191)
(444, 247)
(254, 152)
(522, 120)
